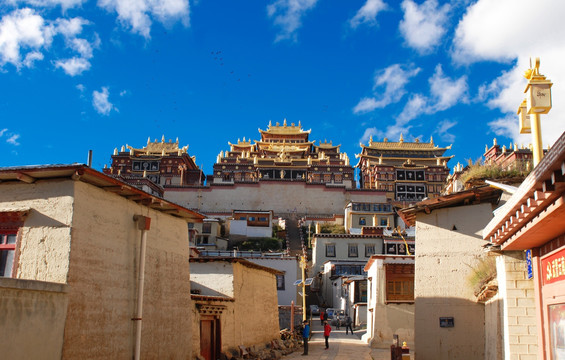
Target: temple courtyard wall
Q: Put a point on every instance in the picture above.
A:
(279, 196)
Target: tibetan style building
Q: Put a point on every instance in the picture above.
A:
(156, 165)
(284, 153)
(406, 171)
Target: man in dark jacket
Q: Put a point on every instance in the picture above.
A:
(348, 324)
(305, 336)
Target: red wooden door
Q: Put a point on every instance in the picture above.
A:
(207, 347)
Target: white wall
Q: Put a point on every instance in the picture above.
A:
(213, 278)
(291, 274)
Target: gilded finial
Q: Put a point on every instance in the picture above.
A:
(177, 139)
(284, 122)
(148, 140)
(270, 123)
(401, 138)
(486, 148)
(431, 140)
(494, 142)
(123, 149)
(115, 151)
(299, 126)
(163, 138)
(371, 140)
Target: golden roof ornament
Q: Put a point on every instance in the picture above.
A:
(115, 151)
(494, 142)
(432, 140)
(385, 139)
(163, 138)
(123, 149)
(401, 138)
(284, 123)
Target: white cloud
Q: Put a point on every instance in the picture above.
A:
(368, 13)
(287, 14)
(13, 139)
(445, 91)
(487, 33)
(31, 57)
(138, 14)
(443, 130)
(394, 79)
(370, 132)
(20, 31)
(70, 27)
(423, 25)
(65, 4)
(101, 103)
(73, 66)
(416, 106)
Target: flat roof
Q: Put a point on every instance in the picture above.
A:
(473, 196)
(81, 172)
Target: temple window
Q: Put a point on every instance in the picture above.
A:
(352, 250)
(362, 221)
(206, 228)
(369, 250)
(330, 250)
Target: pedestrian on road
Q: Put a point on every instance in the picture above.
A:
(325, 316)
(322, 312)
(348, 324)
(305, 335)
(327, 330)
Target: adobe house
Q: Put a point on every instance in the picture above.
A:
(448, 320)
(390, 299)
(72, 244)
(235, 303)
(533, 220)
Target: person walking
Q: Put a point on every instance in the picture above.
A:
(322, 312)
(348, 324)
(327, 330)
(305, 336)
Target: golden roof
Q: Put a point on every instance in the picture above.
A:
(285, 129)
(160, 148)
(327, 145)
(241, 143)
(402, 145)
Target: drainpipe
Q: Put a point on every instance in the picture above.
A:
(143, 224)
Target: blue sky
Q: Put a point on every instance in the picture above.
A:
(82, 74)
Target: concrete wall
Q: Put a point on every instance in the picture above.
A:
(103, 280)
(281, 197)
(32, 320)
(214, 278)
(519, 330)
(291, 274)
(493, 328)
(444, 260)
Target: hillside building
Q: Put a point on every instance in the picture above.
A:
(284, 152)
(155, 166)
(406, 171)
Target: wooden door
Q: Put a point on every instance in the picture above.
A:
(210, 337)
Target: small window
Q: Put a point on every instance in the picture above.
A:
(384, 221)
(369, 250)
(10, 223)
(330, 250)
(262, 219)
(242, 218)
(252, 218)
(352, 250)
(206, 228)
(362, 221)
(280, 282)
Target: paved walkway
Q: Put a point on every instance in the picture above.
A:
(342, 347)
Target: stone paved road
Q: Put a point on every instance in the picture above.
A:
(342, 347)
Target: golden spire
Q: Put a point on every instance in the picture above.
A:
(284, 122)
(494, 142)
(123, 149)
(163, 138)
(401, 138)
(148, 140)
(431, 140)
(486, 148)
